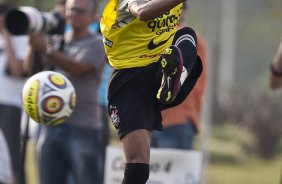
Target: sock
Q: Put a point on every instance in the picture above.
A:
(136, 173)
(185, 39)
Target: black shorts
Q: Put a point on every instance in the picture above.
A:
(132, 97)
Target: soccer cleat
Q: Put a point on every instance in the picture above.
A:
(172, 64)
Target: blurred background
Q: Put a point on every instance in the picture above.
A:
(241, 121)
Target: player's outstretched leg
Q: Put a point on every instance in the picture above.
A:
(172, 64)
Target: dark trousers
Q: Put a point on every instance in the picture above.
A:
(10, 123)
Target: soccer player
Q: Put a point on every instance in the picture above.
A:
(155, 69)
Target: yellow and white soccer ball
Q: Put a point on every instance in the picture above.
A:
(48, 98)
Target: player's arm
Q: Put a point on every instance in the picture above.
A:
(276, 69)
(148, 10)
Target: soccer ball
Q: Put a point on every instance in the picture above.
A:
(48, 98)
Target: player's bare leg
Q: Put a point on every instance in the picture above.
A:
(136, 146)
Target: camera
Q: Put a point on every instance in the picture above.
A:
(29, 20)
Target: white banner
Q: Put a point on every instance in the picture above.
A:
(167, 166)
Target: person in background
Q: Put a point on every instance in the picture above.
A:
(12, 51)
(155, 68)
(275, 76)
(103, 101)
(182, 123)
(94, 27)
(6, 176)
(73, 149)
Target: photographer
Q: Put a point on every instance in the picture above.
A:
(12, 51)
(74, 147)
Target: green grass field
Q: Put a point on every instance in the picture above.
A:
(252, 171)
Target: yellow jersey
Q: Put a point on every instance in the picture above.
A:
(130, 42)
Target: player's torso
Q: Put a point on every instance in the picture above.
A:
(132, 43)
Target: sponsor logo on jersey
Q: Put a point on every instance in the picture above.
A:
(152, 45)
(163, 24)
(107, 42)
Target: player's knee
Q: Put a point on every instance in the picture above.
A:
(187, 30)
(136, 173)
